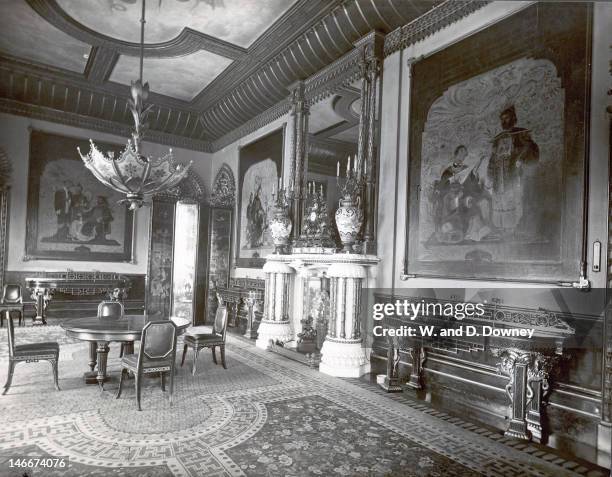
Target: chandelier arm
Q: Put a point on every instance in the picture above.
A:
(106, 181)
(120, 176)
(162, 185)
(145, 176)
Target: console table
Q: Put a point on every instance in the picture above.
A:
(243, 291)
(43, 287)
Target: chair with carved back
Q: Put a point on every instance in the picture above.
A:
(157, 354)
(197, 341)
(12, 300)
(33, 352)
(112, 311)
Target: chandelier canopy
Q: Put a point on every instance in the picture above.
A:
(132, 173)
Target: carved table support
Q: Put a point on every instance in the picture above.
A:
(528, 385)
(275, 324)
(41, 296)
(417, 356)
(250, 301)
(391, 382)
(342, 353)
(102, 360)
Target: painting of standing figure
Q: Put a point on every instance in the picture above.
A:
(259, 171)
(71, 215)
(497, 157)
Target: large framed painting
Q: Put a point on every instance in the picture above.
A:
(72, 216)
(260, 166)
(497, 151)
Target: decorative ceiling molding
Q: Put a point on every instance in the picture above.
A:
(429, 23)
(187, 42)
(272, 114)
(86, 122)
(324, 41)
(249, 93)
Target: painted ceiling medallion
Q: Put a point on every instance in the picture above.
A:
(133, 173)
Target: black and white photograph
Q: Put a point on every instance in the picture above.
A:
(305, 238)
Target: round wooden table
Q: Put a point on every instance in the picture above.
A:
(100, 333)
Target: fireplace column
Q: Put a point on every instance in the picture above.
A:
(343, 353)
(275, 324)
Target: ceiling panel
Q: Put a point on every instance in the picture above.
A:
(235, 21)
(180, 78)
(323, 115)
(348, 135)
(26, 35)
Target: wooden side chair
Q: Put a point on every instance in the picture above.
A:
(197, 341)
(12, 300)
(157, 354)
(112, 311)
(45, 351)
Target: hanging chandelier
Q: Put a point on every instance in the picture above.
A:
(133, 173)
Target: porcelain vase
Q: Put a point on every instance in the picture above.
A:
(349, 219)
(280, 229)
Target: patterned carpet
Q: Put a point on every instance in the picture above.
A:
(263, 416)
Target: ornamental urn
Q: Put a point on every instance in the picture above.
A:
(280, 229)
(349, 219)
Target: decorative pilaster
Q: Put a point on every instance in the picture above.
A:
(527, 388)
(342, 352)
(372, 46)
(298, 133)
(275, 324)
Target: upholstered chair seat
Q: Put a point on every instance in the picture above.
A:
(198, 341)
(31, 352)
(45, 348)
(157, 354)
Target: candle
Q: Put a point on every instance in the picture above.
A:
(348, 166)
(355, 163)
(338, 169)
(321, 190)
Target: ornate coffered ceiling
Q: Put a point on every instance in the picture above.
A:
(213, 65)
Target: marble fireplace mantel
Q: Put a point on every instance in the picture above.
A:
(287, 282)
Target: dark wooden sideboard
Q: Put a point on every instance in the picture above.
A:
(77, 294)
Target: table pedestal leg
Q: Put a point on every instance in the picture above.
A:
(93, 346)
(102, 358)
(93, 377)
